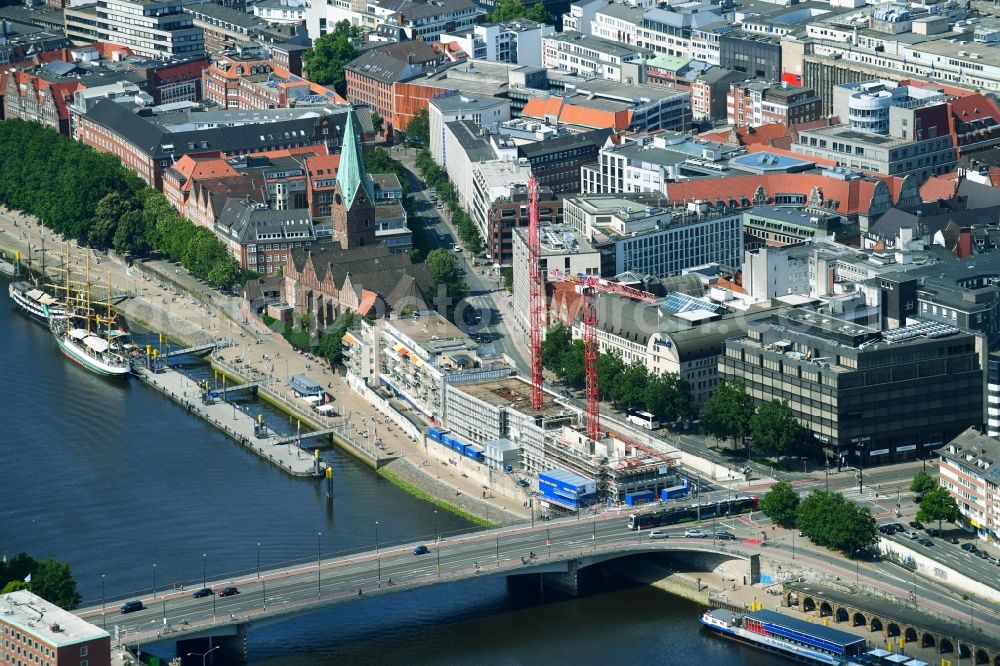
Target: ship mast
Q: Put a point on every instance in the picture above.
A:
(86, 294)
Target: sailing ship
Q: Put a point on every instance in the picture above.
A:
(88, 338)
(32, 299)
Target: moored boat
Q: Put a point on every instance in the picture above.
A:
(796, 639)
(35, 302)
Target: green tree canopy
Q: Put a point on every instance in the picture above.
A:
(377, 123)
(508, 10)
(418, 130)
(447, 281)
(775, 431)
(331, 343)
(329, 54)
(92, 198)
(830, 520)
(922, 483)
(939, 505)
(50, 579)
(781, 504)
(727, 414)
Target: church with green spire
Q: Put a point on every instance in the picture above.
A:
(353, 206)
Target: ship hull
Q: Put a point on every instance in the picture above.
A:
(92, 364)
(32, 310)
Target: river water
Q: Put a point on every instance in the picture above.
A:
(113, 478)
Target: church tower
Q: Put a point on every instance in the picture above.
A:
(353, 206)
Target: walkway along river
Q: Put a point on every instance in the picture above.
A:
(113, 478)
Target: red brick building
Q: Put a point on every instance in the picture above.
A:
(34, 631)
(372, 78)
(252, 81)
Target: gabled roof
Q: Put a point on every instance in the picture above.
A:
(191, 168)
(939, 187)
(351, 175)
(852, 196)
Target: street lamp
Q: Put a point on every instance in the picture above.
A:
(154, 580)
(435, 527)
(378, 558)
(319, 580)
(258, 559)
(202, 654)
(104, 621)
(204, 578)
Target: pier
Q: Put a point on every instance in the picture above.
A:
(237, 424)
(198, 349)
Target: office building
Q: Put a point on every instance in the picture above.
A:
(151, 28)
(868, 397)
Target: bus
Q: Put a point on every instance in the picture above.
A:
(683, 514)
(644, 419)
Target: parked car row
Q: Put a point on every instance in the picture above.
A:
(136, 605)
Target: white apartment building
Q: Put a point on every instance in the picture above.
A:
(517, 42)
(617, 23)
(588, 56)
(580, 14)
(970, 471)
(492, 181)
(282, 12)
(488, 112)
(635, 233)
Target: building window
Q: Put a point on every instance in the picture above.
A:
(83, 651)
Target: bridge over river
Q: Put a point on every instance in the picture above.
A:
(560, 549)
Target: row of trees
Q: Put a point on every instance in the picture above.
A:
(825, 517)
(437, 179)
(626, 386)
(91, 198)
(772, 427)
(446, 279)
(936, 503)
(49, 579)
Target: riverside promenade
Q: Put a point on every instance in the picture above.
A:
(228, 418)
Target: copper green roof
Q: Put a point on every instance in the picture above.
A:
(351, 173)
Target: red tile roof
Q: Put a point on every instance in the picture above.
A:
(570, 113)
(939, 187)
(852, 196)
(762, 135)
(202, 167)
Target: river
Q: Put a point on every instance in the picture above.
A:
(113, 478)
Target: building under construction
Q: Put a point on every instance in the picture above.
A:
(552, 437)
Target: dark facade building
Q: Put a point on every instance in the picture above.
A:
(756, 56)
(509, 212)
(869, 398)
(556, 163)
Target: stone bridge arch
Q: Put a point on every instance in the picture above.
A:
(892, 629)
(927, 640)
(825, 609)
(876, 624)
(910, 635)
(859, 620)
(808, 604)
(945, 646)
(842, 615)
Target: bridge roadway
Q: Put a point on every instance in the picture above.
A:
(558, 545)
(278, 593)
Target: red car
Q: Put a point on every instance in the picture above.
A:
(228, 591)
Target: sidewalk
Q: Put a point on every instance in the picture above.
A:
(201, 316)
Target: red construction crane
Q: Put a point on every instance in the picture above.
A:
(535, 302)
(588, 286)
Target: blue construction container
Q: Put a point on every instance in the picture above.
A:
(475, 452)
(675, 492)
(643, 497)
(436, 433)
(566, 489)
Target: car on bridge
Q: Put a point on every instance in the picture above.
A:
(228, 591)
(658, 534)
(694, 534)
(421, 550)
(725, 536)
(132, 606)
(203, 592)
